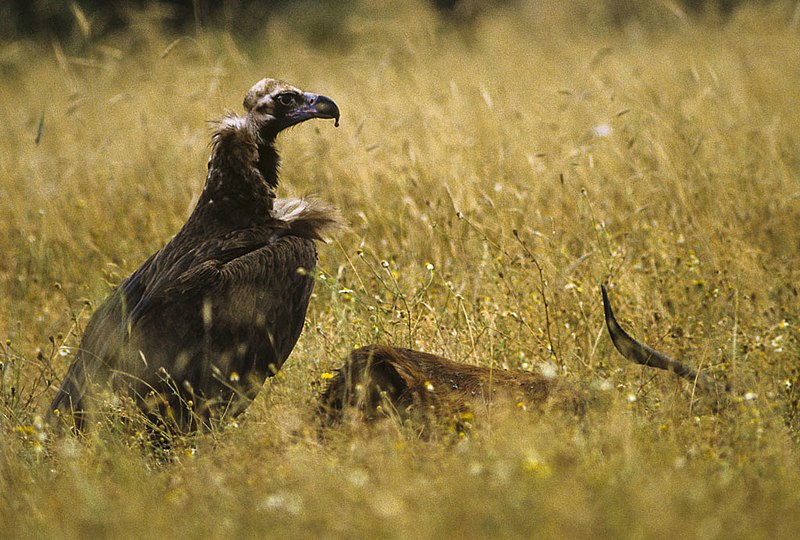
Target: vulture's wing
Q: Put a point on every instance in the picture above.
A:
(219, 266)
(269, 291)
(174, 270)
(98, 354)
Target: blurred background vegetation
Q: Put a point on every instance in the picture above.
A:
(64, 19)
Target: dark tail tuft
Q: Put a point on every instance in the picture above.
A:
(640, 353)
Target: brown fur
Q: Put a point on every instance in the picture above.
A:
(414, 383)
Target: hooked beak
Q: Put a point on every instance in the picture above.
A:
(315, 106)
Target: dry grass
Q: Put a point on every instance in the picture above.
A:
(664, 159)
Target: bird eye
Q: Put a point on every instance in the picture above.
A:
(285, 99)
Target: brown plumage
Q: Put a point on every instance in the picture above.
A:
(418, 384)
(193, 333)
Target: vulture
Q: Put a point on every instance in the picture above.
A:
(192, 334)
(415, 384)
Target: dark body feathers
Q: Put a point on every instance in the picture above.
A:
(193, 333)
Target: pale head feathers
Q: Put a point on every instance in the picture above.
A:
(265, 90)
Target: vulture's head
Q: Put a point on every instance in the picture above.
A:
(274, 105)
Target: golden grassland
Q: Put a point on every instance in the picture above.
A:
(661, 158)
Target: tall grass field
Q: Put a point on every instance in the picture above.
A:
(492, 175)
